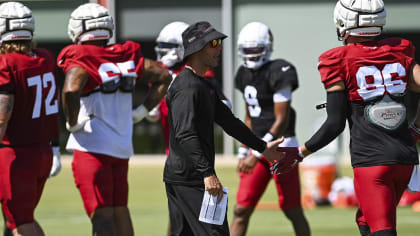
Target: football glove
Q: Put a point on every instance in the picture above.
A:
(56, 165)
(79, 125)
(139, 113)
(288, 162)
(415, 132)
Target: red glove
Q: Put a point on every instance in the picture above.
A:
(288, 162)
(415, 132)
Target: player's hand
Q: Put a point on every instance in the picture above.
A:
(415, 132)
(56, 165)
(247, 164)
(139, 113)
(214, 187)
(153, 115)
(271, 153)
(291, 157)
(79, 125)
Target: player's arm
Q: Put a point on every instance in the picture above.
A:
(6, 107)
(76, 78)
(246, 162)
(159, 80)
(334, 124)
(414, 85)
(243, 150)
(414, 79)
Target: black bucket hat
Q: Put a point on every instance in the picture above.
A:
(196, 36)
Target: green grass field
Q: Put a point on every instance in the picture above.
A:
(61, 213)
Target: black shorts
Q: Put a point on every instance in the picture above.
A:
(184, 204)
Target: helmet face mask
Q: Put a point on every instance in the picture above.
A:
(255, 45)
(169, 48)
(359, 18)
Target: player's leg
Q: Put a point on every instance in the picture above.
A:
(364, 228)
(122, 220)
(29, 172)
(384, 184)
(7, 231)
(288, 189)
(251, 187)
(122, 216)
(93, 177)
(103, 222)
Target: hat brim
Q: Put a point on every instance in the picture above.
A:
(201, 43)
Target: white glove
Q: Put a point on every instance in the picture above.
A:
(154, 114)
(139, 113)
(79, 125)
(56, 165)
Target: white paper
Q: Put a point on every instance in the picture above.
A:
(212, 212)
(414, 184)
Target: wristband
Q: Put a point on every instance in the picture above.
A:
(268, 137)
(256, 154)
(300, 153)
(242, 152)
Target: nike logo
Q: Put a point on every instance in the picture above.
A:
(285, 68)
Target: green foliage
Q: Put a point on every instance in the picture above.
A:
(61, 212)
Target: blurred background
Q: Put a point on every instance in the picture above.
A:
(302, 29)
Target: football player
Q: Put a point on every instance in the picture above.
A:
(170, 53)
(28, 101)
(267, 87)
(366, 81)
(97, 101)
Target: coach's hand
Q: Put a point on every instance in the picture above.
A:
(291, 157)
(271, 153)
(246, 164)
(214, 187)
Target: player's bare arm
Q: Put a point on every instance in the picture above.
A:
(76, 79)
(281, 111)
(160, 80)
(6, 106)
(414, 80)
(414, 85)
(247, 162)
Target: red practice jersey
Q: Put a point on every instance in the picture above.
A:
(33, 81)
(103, 64)
(371, 70)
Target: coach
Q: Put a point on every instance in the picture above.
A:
(193, 108)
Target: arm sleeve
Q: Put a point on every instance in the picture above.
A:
(337, 108)
(236, 128)
(185, 132)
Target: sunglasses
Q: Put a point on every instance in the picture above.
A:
(215, 43)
